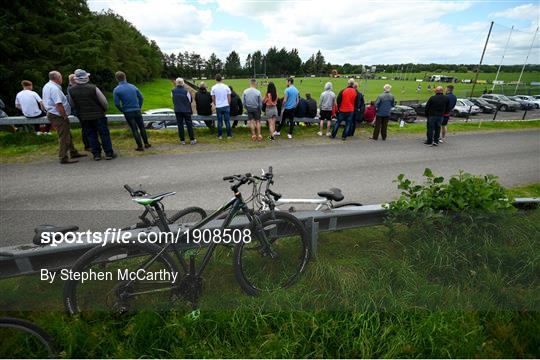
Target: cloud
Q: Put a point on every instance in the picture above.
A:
(522, 12)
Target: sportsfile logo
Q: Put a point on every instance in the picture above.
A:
(118, 236)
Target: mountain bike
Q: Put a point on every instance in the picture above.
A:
(272, 254)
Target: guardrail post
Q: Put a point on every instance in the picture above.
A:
(312, 228)
(525, 114)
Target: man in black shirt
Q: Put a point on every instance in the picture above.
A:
(436, 107)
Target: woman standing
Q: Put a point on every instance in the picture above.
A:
(270, 101)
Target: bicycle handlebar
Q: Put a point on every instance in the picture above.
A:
(134, 193)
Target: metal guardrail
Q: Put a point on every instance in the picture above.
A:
(29, 259)
(21, 120)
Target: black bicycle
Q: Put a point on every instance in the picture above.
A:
(272, 253)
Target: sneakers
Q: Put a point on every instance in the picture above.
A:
(220, 137)
(183, 142)
(277, 133)
(193, 142)
(229, 137)
(319, 133)
(442, 141)
(271, 138)
(328, 133)
(147, 146)
(111, 156)
(435, 144)
(38, 133)
(139, 149)
(427, 143)
(97, 158)
(289, 136)
(68, 161)
(48, 133)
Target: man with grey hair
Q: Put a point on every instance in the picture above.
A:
(58, 109)
(128, 99)
(436, 107)
(252, 100)
(91, 106)
(383, 105)
(182, 109)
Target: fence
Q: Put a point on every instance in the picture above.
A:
(30, 259)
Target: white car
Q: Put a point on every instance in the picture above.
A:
(531, 99)
(464, 107)
(164, 124)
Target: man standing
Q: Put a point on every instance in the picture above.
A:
(358, 116)
(327, 100)
(436, 107)
(203, 104)
(452, 100)
(253, 103)
(347, 104)
(182, 109)
(128, 99)
(84, 131)
(384, 104)
(221, 97)
(58, 110)
(31, 105)
(91, 106)
(290, 101)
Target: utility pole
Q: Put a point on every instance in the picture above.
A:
(502, 58)
(526, 59)
(481, 59)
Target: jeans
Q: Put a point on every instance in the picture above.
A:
(348, 118)
(434, 129)
(224, 113)
(99, 128)
(287, 114)
(136, 125)
(381, 126)
(182, 118)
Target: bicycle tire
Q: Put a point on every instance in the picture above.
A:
(248, 266)
(192, 214)
(340, 205)
(31, 328)
(95, 256)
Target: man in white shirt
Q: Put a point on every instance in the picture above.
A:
(31, 105)
(58, 110)
(221, 97)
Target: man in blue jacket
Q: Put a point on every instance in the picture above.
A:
(384, 104)
(182, 109)
(452, 100)
(128, 99)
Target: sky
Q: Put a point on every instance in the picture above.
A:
(346, 31)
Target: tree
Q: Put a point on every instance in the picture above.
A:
(232, 66)
(213, 65)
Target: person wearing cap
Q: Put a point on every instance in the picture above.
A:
(128, 99)
(182, 109)
(436, 107)
(91, 105)
(84, 130)
(58, 109)
(383, 105)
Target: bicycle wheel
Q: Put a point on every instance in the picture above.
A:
(187, 216)
(39, 345)
(256, 271)
(120, 278)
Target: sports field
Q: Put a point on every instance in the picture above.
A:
(157, 93)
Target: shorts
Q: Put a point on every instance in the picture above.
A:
(271, 111)
(326, 115)
(254, 114)
(445, 120)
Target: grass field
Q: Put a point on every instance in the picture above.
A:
(158, 93)
(26, 146)
(363, 296)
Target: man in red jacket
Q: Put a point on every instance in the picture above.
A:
(347, 103)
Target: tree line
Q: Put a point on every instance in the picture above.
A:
(63, 35)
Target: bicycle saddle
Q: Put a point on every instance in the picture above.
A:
(151, 199)
(332, 194)
(53, 229)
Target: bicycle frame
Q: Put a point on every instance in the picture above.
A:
(321, 203)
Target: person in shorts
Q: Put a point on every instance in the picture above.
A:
(452, 100)
(327, 101)
(252, 100)
(270, 102)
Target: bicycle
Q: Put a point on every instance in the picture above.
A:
(274, 258)
(44, 342)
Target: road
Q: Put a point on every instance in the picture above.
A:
(90, 193)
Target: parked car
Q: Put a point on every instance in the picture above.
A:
(486, 107)
(163, 124)
(531, 99)
(419, 108)
(465, 107)
(525, 104)
(406, 113)
(502, 102)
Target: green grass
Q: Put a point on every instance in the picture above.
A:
(531, 190)
(157, 93)
(363, 296)
(27, 147)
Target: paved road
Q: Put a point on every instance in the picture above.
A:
(91, 193)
